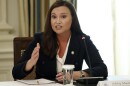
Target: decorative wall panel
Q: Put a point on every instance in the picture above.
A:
(8, 27)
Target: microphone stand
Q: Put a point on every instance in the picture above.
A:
(89, 62)
(88, 80)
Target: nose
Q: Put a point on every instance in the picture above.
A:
(58, 21)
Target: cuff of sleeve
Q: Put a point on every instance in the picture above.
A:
(89, 72)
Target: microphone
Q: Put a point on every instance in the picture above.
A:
(89, 62)
(88, 80)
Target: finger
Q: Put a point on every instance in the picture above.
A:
(60, 78)
(38, 45)
(34, 58)
(36, 55)
(36, 49)
(59, 74)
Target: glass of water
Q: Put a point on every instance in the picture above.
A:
(68, 75)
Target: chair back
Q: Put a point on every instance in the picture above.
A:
(19, 45)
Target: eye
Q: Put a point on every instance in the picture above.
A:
(53, 16)
(64, 16)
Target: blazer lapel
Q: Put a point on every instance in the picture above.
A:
(73, 49)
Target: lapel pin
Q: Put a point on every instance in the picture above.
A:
(72, 52)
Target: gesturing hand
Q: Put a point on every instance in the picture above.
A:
(34, 57)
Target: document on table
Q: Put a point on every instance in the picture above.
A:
(36, 81)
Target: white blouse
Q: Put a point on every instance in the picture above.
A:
(60, 61)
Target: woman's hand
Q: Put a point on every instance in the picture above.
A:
(77, 75)
(34, 58)
(59, 77)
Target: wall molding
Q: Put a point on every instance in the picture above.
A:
(9, 25)
(4, 26)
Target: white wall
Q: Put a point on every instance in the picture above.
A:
(108, 24)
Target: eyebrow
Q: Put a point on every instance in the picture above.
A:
(61, 13)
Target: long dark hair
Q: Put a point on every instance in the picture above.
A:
(50, 40)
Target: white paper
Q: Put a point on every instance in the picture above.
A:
(36, 81)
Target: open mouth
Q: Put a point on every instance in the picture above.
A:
(58, 27)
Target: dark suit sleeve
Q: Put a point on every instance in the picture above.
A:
(18, 70)
(99, 68)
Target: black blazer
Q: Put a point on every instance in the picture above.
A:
(46, 66)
